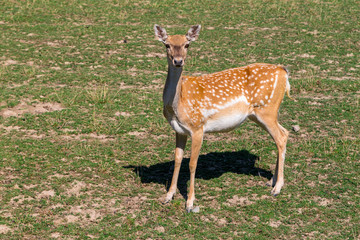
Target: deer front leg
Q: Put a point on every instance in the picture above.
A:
(196, 143)
(179, 153)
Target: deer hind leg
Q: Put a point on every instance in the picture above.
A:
(280, 136)
(196, 142)
(179, 153)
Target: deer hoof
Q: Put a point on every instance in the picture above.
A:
(275, 191)
(166, 200)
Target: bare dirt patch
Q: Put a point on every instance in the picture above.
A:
(274, 224)
(76, 188)
(46, 194)
(138, 134)
(159, 55)
(4, 229)
(55, 235)
(242, 201)
(160, 229)
(71, 219)
(36, 108)
(19, 200)
(322, 201)
(124, 86)
(91, 212)
(88, 213)
(9, 62)
(342, 78)
(124, 114)
(306, 55)
(216, 220)
(10, 128)
(33, 134)
(28, 133)
(85, 137)
(133, 204)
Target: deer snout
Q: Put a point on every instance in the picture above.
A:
(178, 62)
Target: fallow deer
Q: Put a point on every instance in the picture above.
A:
(219, 102)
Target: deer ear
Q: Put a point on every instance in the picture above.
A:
(193, 33)
(160, 33)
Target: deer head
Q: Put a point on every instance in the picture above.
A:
(177, 45)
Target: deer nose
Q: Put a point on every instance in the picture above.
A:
(178, 62)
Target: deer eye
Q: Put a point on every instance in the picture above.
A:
(167, 45)
(186, 45)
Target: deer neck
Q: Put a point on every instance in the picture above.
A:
(172, 87)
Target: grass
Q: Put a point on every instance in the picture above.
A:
(97, 168)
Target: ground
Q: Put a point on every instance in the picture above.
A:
(86, 153)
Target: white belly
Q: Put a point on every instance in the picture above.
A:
(225, 123)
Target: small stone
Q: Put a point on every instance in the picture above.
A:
(296, 128)
(195, 209)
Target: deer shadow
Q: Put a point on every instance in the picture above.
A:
(211, 165)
